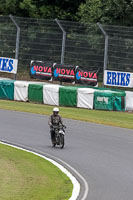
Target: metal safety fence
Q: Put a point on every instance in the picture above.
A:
(92, 46)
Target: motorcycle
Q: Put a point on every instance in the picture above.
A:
(59, 136)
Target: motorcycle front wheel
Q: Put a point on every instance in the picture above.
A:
(53, 142)
(62, 141)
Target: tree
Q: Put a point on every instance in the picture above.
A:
(65, 9)
(107, 11)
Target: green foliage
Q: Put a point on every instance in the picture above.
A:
(91, 11)
(8, 6)
(66, 9)
(104, 11)
(107, 11)
(28, 8)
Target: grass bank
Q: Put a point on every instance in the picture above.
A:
(119, 119)
(26, 176)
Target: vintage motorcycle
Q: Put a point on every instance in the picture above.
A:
(59, 136)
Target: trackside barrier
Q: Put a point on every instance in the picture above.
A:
(109, 100)
(68, 96)
(85, 98)
(7, 89)
(72, 96)
(35, 93)
(129, 101)
(21, 91)
(51, 94)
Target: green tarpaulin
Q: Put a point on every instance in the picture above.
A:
(68, 96)
(35, 93)
(7, 89)
(105, 100)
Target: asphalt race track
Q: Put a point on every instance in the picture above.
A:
(103, 155)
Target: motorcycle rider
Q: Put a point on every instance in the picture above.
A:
(54, 120)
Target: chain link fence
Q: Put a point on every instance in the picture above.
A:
(120, 49)
(92, 46)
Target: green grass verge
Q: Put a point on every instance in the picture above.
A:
(119, 119)
(26, 176)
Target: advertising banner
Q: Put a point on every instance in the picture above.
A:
(41, 70)
(86, 77)
(8, 65)
(118, 79)
(63, 73)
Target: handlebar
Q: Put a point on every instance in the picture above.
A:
(64, 126)
(60, 126)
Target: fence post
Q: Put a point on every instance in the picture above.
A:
(17, 39)
(105, 49)
(63, 40)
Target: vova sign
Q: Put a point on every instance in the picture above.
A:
(8, 65)
(118, 79)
